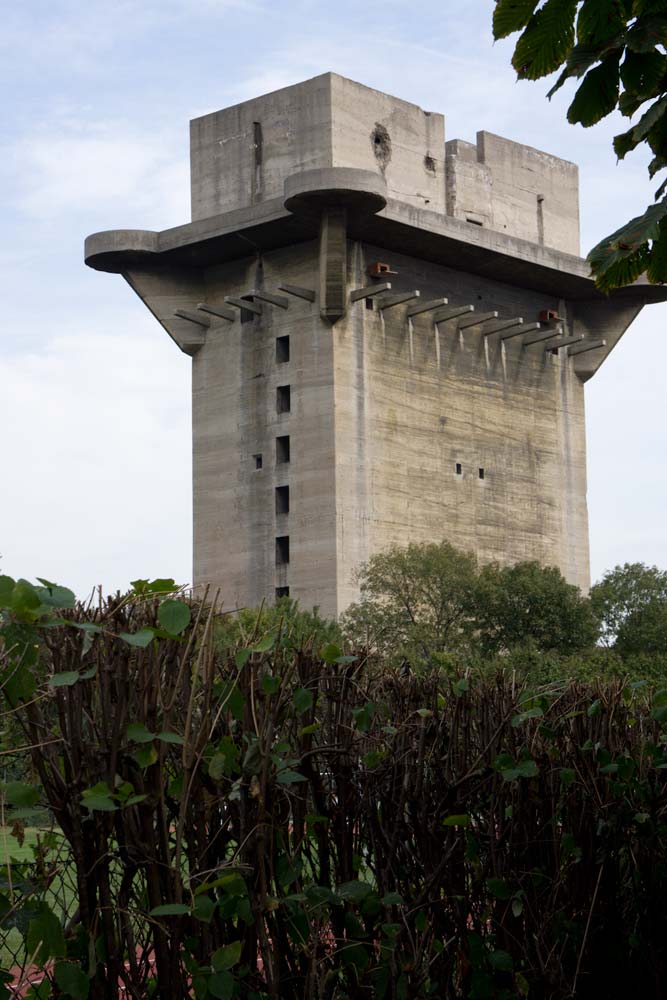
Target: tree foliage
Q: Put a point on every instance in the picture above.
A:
(416, 602)
(622, 598)
(529, 604)
(429, 602)
(616, 48)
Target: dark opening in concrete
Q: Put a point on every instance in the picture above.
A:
(282, 550)
(283, 399)
(282, 350)
(258, 461)
(282, 499)
(282, 449)
(481, 473)
(282, 592)
(459, 469)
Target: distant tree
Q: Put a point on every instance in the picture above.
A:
(644, 631)
(416, 602)
(622, 595)
(532, 605)
(426, 602)
(618, 47)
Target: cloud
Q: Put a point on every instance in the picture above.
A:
(108, 168)
(96, 455)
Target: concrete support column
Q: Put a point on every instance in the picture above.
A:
(333, 263)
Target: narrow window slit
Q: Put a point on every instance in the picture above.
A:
(282, 550)
(258, 461)
(282, 350)
(283, 399)
(481, 473)
(282, 449)
(459, 469)
(282, 499)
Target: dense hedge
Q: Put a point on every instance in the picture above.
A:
(283, 823)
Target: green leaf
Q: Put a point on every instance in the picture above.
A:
(227, 957)
(72, 980)
(461, 819)
(264, 645)
(45, 938)
(7, 585)
(54, 596)
(18, 794)
(289, 777)
(174, 616)
(331, 653)
(98, 798)
(270, 684)
(392, 899)
(499, 888)
(204, 908)
(221, 985)
(136, 732)
(646, 33)
(594, 709)
(302, 699)
(527, 769)
(621, 258)
(511, 15)
(567, 776)
(309, 730)
(355, 891)
(174, 738)
(241, 657)
(66, 679)
(142, 638)
(169, 910)
(145, 755)
(501, 960)
(546, 41)
(531, 713)
(25, 597)
(159, 586)
(597, 95)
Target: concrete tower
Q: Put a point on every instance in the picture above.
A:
(390, 336)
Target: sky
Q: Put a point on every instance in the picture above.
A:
(95, 468)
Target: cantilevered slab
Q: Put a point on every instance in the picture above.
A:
(222, 312)
(425, 306)
(476, 319)
(389, 301)
(369, 291)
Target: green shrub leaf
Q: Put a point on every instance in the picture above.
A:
(174, 616)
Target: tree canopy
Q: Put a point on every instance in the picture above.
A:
(617, 49)
(427, 602)
(628, 602)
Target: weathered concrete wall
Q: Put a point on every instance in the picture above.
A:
(242, 155)
(514, 189)
(235, 418)
(373, 131)
(411, 404)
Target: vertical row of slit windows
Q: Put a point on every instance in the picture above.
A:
(283, 456)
